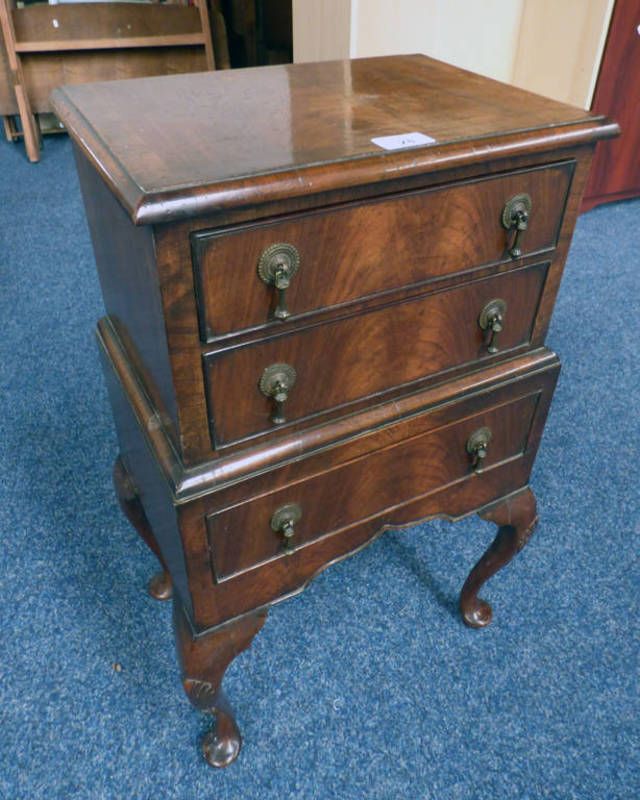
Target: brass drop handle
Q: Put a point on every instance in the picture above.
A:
(478, 446)
(284, 522)
(276, 267)
(515, 216)
(276, 382)
(491, 320)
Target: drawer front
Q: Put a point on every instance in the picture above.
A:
(360, 250)
(343, 361)
(252, 533)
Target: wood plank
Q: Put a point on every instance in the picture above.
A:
(46, 71)
(177, 40)
(10, 130)
(31, 135)
(103, 20)
(205, 25)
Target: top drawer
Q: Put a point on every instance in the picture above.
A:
(360, 249)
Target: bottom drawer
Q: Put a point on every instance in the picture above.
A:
(274, 524)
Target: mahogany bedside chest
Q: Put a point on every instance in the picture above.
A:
(327, 290)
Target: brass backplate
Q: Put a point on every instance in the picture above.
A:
(494, 307)
(277, 375)
(290, 513)
(479, 438)
(278, 255)
(519, 202)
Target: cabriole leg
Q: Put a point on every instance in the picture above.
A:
(160, 586)
(516, 517)
(204, 660)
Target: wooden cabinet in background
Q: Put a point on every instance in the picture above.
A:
(259, 31)
(44, 47)
(615, 174)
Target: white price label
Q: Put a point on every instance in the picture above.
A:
(401, 140)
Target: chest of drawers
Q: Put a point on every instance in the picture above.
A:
(310, 338)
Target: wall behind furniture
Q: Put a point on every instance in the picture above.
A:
(322, 29)
(560, 47)
(478, 36)
(544, 46)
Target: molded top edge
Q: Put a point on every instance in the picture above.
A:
(178, 146)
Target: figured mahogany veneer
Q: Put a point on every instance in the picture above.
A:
(365, 487)
(406, 404)
(423, 433)
(366, 248)
(364, 354)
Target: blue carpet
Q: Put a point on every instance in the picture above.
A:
(368, 685)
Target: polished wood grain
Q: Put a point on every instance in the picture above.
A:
(282, 576)
(364, 354)
(516, 518)
(288, 123)
(199, 494)
(125, 260)
(160, 586)
(204, 660)
(363, 249)
(150, 486)
(241, 538)
(400, 252)
(173, 253)
(615, 173)
(237, 465)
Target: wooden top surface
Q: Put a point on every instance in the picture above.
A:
(180, 145)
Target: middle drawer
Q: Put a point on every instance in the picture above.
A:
(258, 387)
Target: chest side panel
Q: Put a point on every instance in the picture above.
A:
(125, 258)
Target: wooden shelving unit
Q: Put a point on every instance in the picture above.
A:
(47, 46)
